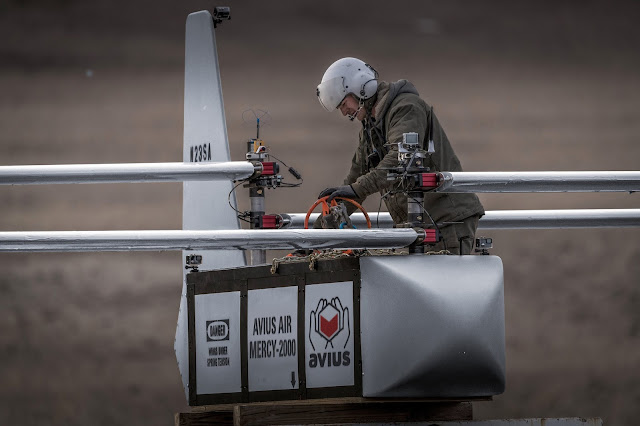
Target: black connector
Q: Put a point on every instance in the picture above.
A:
(221, 13)
(295, 173)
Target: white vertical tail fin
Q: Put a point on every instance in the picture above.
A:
(204, 204)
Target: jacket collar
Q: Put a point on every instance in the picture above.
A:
(386, 94)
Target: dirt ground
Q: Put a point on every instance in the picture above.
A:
(87, 338)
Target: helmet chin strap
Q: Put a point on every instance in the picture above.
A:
(355, 114)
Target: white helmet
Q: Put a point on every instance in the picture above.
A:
(345, 76)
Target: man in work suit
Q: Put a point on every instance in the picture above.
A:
(386, 111)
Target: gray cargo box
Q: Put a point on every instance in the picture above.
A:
(377, 326)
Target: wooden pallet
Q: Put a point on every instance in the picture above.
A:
(327, 411)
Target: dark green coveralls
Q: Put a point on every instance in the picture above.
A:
(399, 109)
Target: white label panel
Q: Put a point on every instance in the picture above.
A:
(329, 334)
(273, 338)
(217, 334)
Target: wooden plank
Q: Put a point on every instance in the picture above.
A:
(370, 412)
(343, 400)
(226, 418)
(209, 418)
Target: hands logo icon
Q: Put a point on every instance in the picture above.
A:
(328, 321)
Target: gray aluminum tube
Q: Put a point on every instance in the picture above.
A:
(511, 219)
(74, 241)
(256, 195)
(296, 220)
(539, 181)
(125, 172)
(415, 200)
(553, 219)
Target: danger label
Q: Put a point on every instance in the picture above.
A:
(218, 330)
(214, 360)
(272, 335)
(217, 339)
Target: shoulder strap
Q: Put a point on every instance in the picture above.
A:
(429, 135)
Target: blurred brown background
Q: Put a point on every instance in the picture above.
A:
(534, 85)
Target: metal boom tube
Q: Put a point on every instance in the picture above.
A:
(555, 219)
(125, 172)
(626, 181)
(509, 219)
(75, 241)
(292, 237)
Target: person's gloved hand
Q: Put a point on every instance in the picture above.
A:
(327, 191)
(345, 191)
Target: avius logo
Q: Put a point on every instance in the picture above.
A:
(329, 327)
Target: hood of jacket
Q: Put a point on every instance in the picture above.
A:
(386, 94)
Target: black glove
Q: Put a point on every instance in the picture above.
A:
(344, 192)
(327, 191)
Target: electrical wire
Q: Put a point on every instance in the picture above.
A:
(396, 190)
(283, 163)
(241, 215)
(432, 221)
(293, 171)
